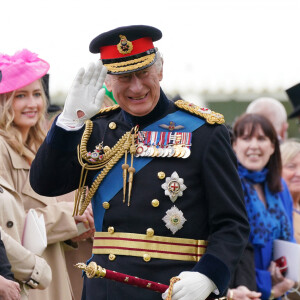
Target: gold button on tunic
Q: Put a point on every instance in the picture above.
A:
(150, 232)
(155, 203)
(106, 205)
(111, 229)
(111, 257)
(161, 175)
(146, 257)
(112, 125)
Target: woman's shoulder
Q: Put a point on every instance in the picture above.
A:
(4, 146)
(285, 190)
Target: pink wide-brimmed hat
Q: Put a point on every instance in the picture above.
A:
(20, 70)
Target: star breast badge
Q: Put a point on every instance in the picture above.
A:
(173, 186)
(174, 219)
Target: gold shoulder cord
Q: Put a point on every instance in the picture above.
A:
(109, 159)
(107, 109)
(211, 117)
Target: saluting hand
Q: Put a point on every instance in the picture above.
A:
(84, 98)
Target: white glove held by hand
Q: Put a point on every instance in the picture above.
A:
(191, 286)
(84, 98)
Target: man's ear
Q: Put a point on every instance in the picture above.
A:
(108, 84)
(283, 132)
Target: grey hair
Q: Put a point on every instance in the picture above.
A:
(159, 61)
(271, 108)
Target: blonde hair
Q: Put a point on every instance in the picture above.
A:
(289, 150)
(12, 134)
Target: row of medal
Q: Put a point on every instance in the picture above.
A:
(163, 144)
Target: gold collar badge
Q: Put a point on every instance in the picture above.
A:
(125, 46)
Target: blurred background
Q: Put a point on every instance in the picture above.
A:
(221, 54)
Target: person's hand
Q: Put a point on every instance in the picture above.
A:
(85, 97)
(275, 273)
(191, 286)
(83, 236)
(87, 218)
(282, 287)
(242, 293)
(9, 290)
(280, 284)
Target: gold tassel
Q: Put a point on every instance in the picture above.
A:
(83, 196)
(131, 169)
(125, 167)
(79, 192)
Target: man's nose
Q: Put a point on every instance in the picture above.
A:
(136, 84)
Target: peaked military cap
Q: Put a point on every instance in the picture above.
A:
(127, 49)
(294, 97)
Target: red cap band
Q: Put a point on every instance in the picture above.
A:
(139, 46)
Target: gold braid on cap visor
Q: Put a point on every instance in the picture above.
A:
(130, 65)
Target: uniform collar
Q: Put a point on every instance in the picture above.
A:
(159, 111)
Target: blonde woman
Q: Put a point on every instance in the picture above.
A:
(290, 155)
(30, 270)
(22, 110)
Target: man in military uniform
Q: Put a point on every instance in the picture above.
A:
(161, 176)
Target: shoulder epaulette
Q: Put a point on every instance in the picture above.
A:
(105, 110)
(210, 116)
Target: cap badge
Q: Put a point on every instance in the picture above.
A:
(174, 186)
(174, 219)
(125, 46)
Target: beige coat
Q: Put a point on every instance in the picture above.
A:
(60, 225)
(25, 265)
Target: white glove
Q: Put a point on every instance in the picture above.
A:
(191, 286)
(84, 98)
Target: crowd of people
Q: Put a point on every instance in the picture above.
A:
(133, 182)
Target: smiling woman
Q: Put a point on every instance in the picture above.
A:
(268, 201)
(28, 106)
(22, 123)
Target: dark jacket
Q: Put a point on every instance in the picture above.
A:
(5, 267)
(212, 203)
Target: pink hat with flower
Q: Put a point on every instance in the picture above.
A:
(20, 70)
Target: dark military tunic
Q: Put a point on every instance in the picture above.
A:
(5, 267)
(212, 202)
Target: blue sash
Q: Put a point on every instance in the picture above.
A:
(113, 182)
